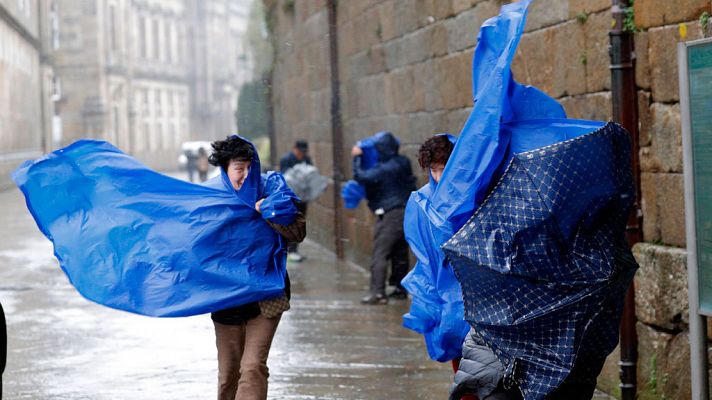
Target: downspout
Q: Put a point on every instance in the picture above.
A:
(337, 139)
(625, 112)
(271, 133)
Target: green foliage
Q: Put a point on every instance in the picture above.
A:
(582, 17)
(705, 21)
(653, 381)
(253, 109)
(583, 59)
(288, 7)
(629, 21)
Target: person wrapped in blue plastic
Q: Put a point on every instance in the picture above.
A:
(132, 239)
(437, 309)
(244, 333)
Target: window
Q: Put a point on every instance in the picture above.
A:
(175, 45)
(171, 109)
(54, 25)
(25, 7)
(142, 32)
(158, 97)
(146, 106)
(159, 135)
(156, 30)
(166, 42)
(113, 28)
(147, 135)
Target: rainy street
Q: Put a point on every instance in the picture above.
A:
(328, 346)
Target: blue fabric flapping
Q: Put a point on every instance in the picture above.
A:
(436, 309)
(132, 239)
(352, 192)
(543, 263)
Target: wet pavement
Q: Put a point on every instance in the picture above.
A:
(327, 346)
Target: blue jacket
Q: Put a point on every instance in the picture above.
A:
(388, 183)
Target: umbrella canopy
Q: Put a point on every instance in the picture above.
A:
(543, 263)
(305, 181)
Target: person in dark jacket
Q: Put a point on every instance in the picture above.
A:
(388, 185)
(299, 154)
(3, 346)
(244, 333)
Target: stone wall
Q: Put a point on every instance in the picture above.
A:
(661, 283)
(405, 66)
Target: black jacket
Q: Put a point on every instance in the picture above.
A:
(3, 345)
(388, 183)
(289, 160)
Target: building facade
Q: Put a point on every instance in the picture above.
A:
(147, 75)
(26, 106)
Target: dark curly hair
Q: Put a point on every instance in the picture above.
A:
(435, 150)
(232, 148)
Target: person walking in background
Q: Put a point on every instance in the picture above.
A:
(190, 160)
(299, 154)
(388, 185)
(3, 346)
(244, 333)
(202, 165)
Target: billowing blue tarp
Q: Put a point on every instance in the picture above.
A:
(477, 159)
(353, 192)
(436, 309)
(135, 240)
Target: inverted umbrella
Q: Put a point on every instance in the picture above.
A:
(543, 263)
(305, 181)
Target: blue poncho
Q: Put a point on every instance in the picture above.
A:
(132, 239)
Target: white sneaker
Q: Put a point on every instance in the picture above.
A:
(296, 257)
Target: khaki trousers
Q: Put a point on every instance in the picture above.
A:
(242, 358)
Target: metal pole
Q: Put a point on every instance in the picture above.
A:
(267, 83)
(625, 112)
(336, 129)
(698, 325)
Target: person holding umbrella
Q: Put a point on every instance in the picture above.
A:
(298, 155)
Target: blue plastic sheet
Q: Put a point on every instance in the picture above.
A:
(135, 240)
(353, 192)
(484, 145)
(436, 309)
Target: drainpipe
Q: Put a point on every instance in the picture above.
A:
(337, 137)
(625, 112)
(267, 83)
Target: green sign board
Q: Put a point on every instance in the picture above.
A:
(699, 63)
